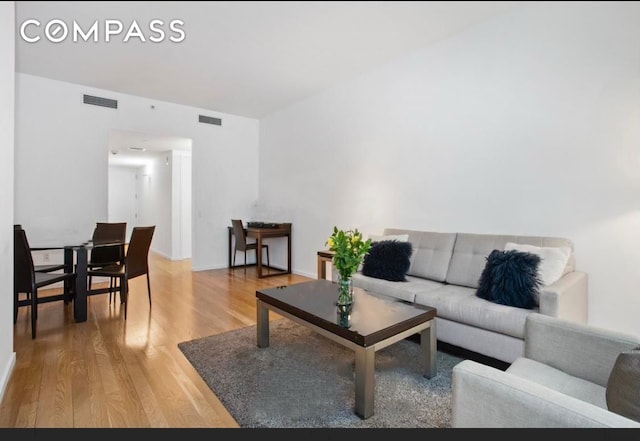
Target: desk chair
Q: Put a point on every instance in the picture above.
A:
(242, 245)
(27, 280)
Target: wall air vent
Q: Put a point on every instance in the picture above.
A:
(209, 120)
(98, 101)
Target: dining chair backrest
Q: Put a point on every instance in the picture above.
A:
(107, 232)
(23, 269)
(45, 268)
(240, 234)
(26, 280)
(136, 261)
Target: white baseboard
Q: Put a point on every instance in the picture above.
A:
(6, 374)
(304, 274)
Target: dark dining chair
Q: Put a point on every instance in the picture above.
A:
(44, 268)
(242, 244)
(134, 264)
(27, 280)
(101, 256)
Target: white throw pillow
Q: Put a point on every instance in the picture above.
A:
(398, 237)
(553, 260)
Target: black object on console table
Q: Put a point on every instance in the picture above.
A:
(260, 224)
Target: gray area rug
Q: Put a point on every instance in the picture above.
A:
(305, 380)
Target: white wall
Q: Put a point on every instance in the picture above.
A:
(7, 95)
(61, 148)
(122, 190)
(527, 124)
(154, 201)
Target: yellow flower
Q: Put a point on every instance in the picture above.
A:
(350, 250)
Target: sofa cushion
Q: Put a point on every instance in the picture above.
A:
(431, 252)
(558, 380)
(399, 290)
(471, 250)
(460, 304)
(553, 260)
(623, 387)
(388, 260)
(510, 278)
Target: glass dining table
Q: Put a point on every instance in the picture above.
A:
(77, 253)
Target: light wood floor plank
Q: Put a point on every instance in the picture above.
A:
(89, 404)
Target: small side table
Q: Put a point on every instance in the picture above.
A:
(324, 257)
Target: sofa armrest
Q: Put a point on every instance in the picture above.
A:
(566, 298)
(584, 351)
(483, 396)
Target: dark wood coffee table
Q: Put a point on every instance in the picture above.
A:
(376, 322)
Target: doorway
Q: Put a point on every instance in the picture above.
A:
(149, 183)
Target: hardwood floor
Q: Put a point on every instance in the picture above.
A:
(108, 372)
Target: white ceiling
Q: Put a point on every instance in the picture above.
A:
(242, 58)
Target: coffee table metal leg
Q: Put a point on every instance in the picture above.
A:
(365, 381)
(262, 324)
(428, 349)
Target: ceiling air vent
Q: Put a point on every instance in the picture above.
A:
(98, 101)
(209, 120)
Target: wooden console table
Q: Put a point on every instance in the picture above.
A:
(282, 230)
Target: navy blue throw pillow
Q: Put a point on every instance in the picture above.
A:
(388, 260)
(510, 278)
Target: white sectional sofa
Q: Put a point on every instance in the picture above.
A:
(570, 376)
(444, 274)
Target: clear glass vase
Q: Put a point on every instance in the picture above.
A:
(345, 291)
(344, 316)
